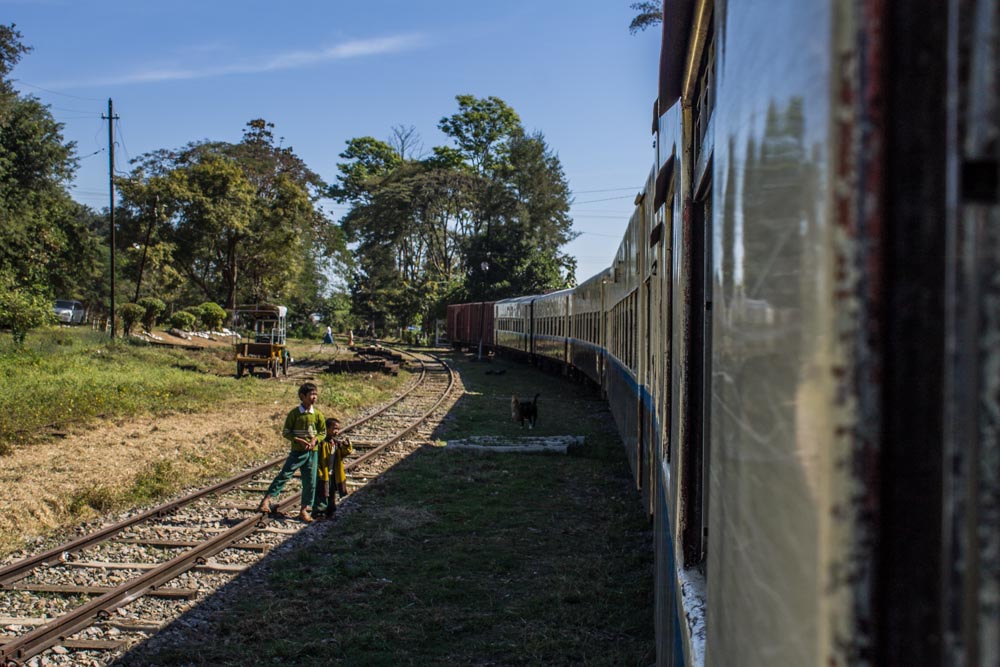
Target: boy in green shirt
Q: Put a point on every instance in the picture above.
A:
(305, 427)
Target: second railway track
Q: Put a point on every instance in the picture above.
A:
(86, 601)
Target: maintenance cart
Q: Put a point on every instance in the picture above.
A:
(259, 338)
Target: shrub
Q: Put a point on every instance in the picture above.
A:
(212, 315)
(22, 310)
(130, 314)
(182, 320)
(153, 308)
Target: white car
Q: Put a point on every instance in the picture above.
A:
(69, 312)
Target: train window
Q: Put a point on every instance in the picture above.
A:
(704, 96)
(697, 460)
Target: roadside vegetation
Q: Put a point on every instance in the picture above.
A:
(457, 558)
(65, 377)
(90, 426)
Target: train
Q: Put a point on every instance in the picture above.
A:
(799, 333)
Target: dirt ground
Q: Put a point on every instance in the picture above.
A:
(42, 480)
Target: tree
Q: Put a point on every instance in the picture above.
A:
(242, 221)
(213, 224)
(212, 315)
(405, 141)
(45, 240)
(130, 314)
(152, 309)
(23, 308)
(481, 129)
(650, 14)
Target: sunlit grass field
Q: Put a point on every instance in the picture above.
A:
(67, 376)
(71, 376)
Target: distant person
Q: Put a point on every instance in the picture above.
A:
(328, 337)
(305, 427)
(350, 337)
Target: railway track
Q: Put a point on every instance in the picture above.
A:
(88, 600)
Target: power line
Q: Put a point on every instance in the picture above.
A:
(580, 192)
(594, 201)
(77, 97)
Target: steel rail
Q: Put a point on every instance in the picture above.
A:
(24, 647)
(34, 642)
(412, 427)
(20, 569)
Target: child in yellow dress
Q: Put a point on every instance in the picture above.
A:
(341, 450)
(330, 469)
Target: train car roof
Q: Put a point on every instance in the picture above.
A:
(518, 299)
(261, 310)
(555, 295)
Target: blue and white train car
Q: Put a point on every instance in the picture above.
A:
(587, 329)
(513, 322)
(550, 338)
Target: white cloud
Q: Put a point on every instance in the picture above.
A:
(281, 61)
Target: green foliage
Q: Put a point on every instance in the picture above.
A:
(23, 309)
(650, 14)
(183, 320)
(11, 48)
(153, 308)
(425, 230)
(45, 241)
(481, 129)
(130, 314)
(212, 315)
(240, 222)
(368, 160)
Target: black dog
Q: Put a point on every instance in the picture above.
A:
(524, 411)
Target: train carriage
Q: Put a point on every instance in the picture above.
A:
(620, 380)
(514, 326)
(586, 345)
(470, 325)
(798, 335)
(550, 335)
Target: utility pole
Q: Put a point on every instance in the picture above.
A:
(111, 118)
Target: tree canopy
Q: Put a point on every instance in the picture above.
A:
(485, 217)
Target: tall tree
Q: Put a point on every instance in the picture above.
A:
(43, 240)
(243, 220)
(481, 129)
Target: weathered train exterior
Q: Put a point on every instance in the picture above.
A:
(798, 335)
(470, 324)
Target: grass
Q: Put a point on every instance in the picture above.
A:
(72, 376)
(455, 558)
(71, 383)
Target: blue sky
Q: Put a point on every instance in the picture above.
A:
(324, 72)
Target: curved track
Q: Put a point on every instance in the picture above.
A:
(160, 560)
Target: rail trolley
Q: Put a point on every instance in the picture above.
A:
(798, 334)
(259, 339)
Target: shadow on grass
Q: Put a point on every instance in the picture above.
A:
(454, 558)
